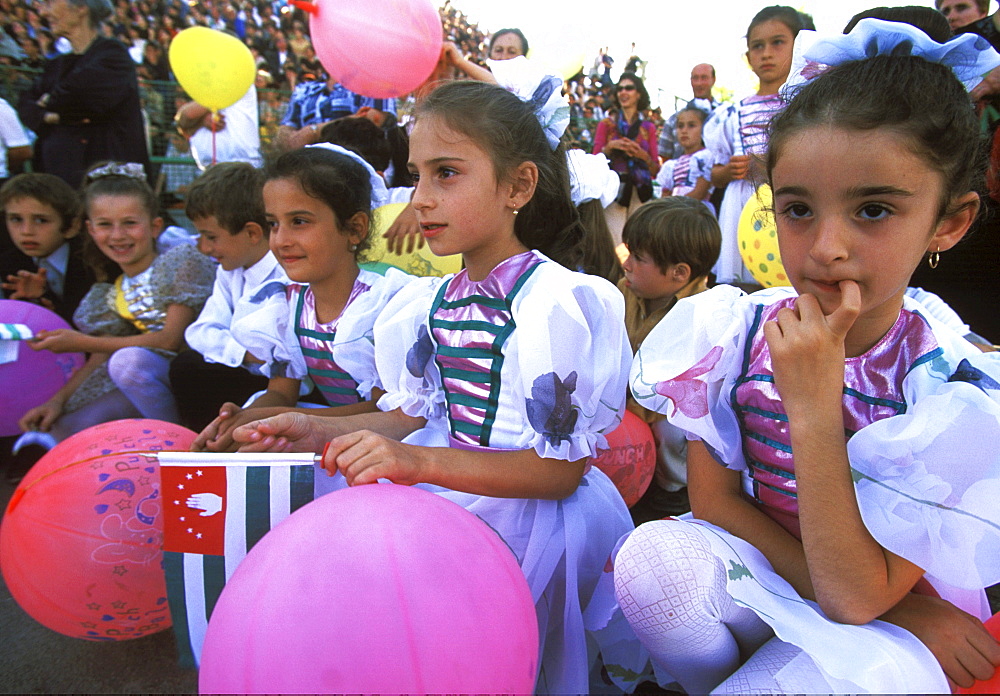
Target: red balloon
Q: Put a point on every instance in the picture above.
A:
(630, 458)
(81, 546)
(35, 376)
(378, 48)
(374, 589)
(991, 685)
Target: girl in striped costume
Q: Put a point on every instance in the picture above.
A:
(737, 133)
(319, 327)
(842, 458)
(502, 380)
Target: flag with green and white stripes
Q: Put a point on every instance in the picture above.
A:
(216, 507)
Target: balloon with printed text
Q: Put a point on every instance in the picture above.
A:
(81, 544)
(630, 458)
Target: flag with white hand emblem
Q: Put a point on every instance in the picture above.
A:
(216, 507)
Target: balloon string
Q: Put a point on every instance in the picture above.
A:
(19, 493)
(213, 136)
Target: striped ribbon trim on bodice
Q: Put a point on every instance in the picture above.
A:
(316, 342)
(873, 390)
(470, 322)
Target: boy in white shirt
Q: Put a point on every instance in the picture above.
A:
(226, 206)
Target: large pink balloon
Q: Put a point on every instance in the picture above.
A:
(630, 458)
(378, 48)
(374, 589)
(81, 546)
(35, 376)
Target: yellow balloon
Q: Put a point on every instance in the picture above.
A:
(758, 240)
(420, 262)
(216, 69)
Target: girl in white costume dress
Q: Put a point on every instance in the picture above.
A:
(319, 328)
(737, 133)
(843, 467)
(503, 379)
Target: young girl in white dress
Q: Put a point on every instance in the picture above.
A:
(132, 326)
(690, 174)
(737, 133)
(843, 466)
(318, 202)
(501, 380)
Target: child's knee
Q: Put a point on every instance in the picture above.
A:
(133, 367)
(666, 561)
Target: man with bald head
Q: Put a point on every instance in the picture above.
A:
(702, 81)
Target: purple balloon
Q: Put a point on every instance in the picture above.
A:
(35, 376)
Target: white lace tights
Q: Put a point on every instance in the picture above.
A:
(672, 589)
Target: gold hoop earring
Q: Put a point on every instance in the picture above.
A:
(934, 259)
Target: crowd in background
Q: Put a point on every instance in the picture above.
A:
(278, 37)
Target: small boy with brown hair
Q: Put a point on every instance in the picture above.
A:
(673, 244)
(40, 256)
(226, 206)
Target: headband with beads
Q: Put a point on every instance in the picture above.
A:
(132, 170)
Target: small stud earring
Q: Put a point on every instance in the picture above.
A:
(934, 259)
(354, 247)
(516, 211)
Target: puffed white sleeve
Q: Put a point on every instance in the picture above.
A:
(928, 480)
(354, 343)
(404, 352)
(720, 133)
(688, 364)
(572, 362)
(210, 333)
(268, 331)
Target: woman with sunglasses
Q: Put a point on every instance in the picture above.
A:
(629, 142)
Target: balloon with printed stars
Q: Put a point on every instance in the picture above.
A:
(81, 544)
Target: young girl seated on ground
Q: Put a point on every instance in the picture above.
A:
(130, 327)
(502, 379)
(318, 203)
(842, 459)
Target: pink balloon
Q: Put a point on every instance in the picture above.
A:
(374, 589)
(378, 48)
(81, 546)
(35, 376)
(991, 685)
(630, 458)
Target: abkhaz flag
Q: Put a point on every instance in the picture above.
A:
(216, 507)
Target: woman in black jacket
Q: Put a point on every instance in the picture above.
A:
(85, 107)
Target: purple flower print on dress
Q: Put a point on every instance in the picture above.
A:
(689, 394)
(976, 377)
(550, 409)
(420, 353)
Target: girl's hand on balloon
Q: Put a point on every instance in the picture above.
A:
(962, 646)
(59, 341)
(807, 349)
(42, 417)
(403, 235)
(365, 457)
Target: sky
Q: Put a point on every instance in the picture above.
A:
(670, 34)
